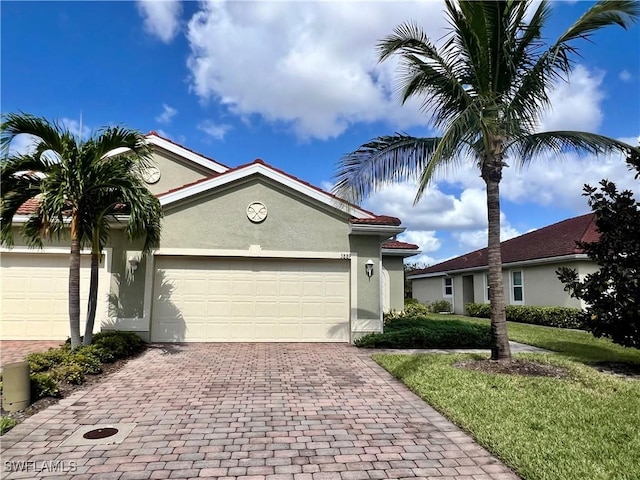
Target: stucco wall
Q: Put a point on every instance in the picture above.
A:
(395, 269)
(369, 318)
(219, 221)
(174, 172)
(541, 286)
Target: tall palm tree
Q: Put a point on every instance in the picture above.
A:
(486, 88)
(80, 187)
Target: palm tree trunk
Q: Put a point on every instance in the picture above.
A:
(93, 299)
(492, 174)
(74, 288)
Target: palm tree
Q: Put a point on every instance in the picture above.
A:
(486, 89)
(80, 186)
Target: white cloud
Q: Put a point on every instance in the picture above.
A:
(310, 65)
(436, 210)
(625, 75)
(426, 240)
(167, 114)
(161, 18)
(77, 128)
(22, 144)
(575, 105)
(476, 239)
(214, 130)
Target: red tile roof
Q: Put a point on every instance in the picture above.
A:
(555, 240)
(377, 220)
(395, 244)
(28, 207)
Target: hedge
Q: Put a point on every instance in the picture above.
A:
(561, 317)
(420, 332)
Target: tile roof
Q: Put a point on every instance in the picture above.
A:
(555, 240)
(396, 244)
(377, 220)
(28, 207)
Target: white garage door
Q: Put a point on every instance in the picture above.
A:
(34, 292)
(266, 300)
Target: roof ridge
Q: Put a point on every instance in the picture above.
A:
(154, 133)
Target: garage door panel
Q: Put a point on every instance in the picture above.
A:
(254, 300)
(34, 295)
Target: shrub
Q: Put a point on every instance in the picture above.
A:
(6, 424)
(117, 344)
(412, 308)
(561, 317)
(43, 385)
(87, 358)
(440, 306)
(409, 301)
(69, 372)
(42, 361)
(420, 332)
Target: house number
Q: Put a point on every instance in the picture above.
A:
(345, 256)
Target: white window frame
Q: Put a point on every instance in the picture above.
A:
(513, 286)
(444, 287)
(486, 287)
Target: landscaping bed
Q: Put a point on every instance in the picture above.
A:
(58, 372)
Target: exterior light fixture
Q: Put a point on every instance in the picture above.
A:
(133, 263)
(368, 268)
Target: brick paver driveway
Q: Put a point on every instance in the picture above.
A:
(250, 412)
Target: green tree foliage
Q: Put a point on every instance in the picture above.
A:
(612, 294)
(81, 188)
(485, 88)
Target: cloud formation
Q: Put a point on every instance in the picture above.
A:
(161, 18)
(167, 114)
(311, 66)
(216, 131)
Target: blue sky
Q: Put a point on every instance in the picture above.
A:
(297, 84)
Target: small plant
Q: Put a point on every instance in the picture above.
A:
(43, 361)
(70, 373)
(6, 424)
(43, 385)
(440, 306)
(118, 344)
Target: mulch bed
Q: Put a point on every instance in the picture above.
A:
(514, 367)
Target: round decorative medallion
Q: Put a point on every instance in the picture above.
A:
(151, 174)
(256, 212)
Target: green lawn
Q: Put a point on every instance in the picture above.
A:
(584, 427)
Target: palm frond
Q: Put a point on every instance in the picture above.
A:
(603, 14)
(560, 143)
(379, 162)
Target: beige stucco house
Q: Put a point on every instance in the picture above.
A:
(247, 254)
(529, 265)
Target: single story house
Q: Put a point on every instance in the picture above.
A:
(529, 263)
(247, 254)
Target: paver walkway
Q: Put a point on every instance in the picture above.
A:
(250, 412)
(15, 350)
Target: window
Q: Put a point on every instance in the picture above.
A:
(486, 292)
(517, 293)
(448, 287)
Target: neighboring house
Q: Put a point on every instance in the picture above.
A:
(247, 254)
(529, 263)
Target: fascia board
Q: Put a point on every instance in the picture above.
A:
(398, 252)
(187, 154)
(363, 229)
(257, 168)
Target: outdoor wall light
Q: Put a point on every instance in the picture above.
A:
(133, 263)
(368, 268)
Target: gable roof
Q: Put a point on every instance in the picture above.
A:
(259, 167)
(185, 153)
(553, 241)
